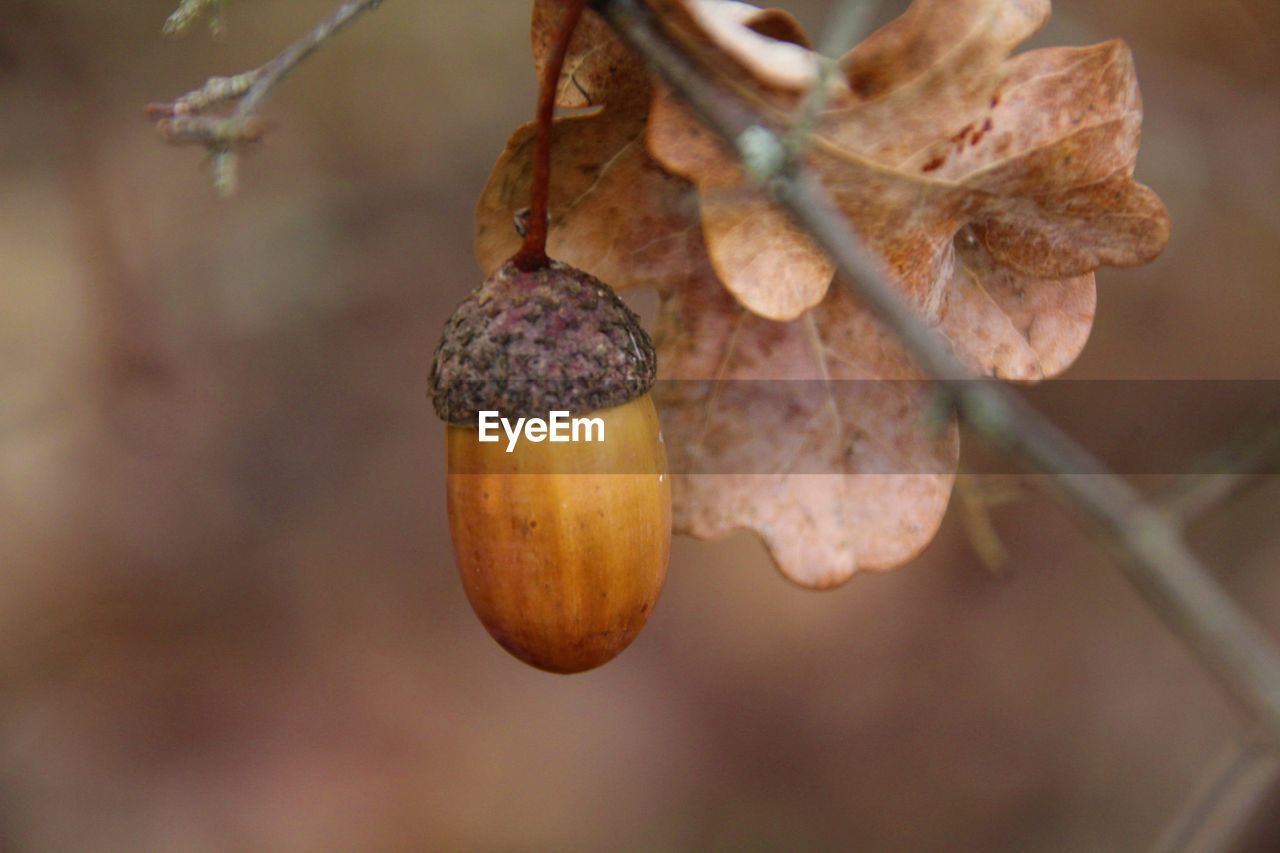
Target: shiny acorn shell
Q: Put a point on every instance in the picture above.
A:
(562, 548)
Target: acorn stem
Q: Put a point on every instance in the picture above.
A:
(533, 252)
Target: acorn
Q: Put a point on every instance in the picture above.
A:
(561, 524)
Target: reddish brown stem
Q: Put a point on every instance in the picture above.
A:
(533, 253)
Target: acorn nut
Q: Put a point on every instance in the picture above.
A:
(562, 546)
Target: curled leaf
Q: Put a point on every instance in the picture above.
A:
(614, 211)
(596, 60)
(936, 130)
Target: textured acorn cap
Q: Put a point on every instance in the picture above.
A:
(526, 343)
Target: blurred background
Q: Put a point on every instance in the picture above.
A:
(229, 616)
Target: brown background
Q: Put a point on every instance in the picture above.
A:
(229, 617)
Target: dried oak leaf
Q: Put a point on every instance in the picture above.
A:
(816, 433)
(760, 429)
(990, 187)
(614, 211)
(596, 59)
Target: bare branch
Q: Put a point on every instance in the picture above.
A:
(1224, 472)
(847, 25)
(214, 93)
(1219, 811)
(1152, 553)
(188, 121)
(277, 69)
(976, 496)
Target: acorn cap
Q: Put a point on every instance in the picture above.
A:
(526, 343)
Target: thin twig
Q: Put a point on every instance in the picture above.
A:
(847, 25)
(976, 496)
(1155, 559)
(280, 67)
(189, 10)
(1218, 812)
(214, 93)
(1251, 451)
(185, 120)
